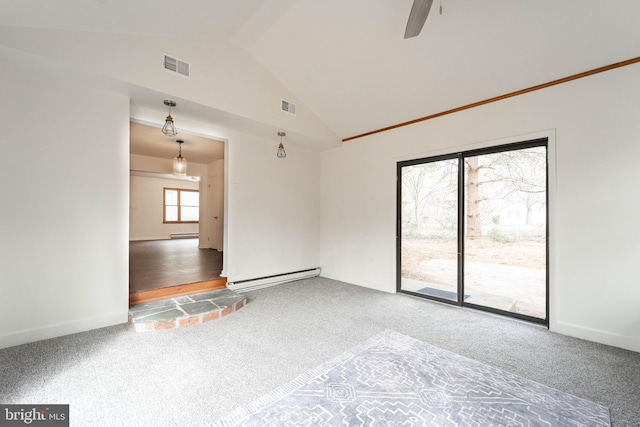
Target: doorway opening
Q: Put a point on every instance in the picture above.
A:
(473, 229)
(175, 223)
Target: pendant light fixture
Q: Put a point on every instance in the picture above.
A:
(281, 153)
(169, 128)
(180, 163)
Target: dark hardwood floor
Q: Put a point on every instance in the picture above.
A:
(156, 264)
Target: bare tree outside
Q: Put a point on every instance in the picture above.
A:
(429, 224)
(474, 222)
(504, 229)
(506, 193)
(428, 187)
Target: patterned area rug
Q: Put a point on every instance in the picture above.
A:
(394, 380)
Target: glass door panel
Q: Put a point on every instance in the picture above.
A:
(505, 232)
(428, 210)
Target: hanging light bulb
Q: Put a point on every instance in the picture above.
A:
(281, 153)
(169, 128)
(180, 163)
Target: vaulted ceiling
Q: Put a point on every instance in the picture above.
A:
(347, 61)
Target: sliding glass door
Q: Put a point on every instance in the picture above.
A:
(472, 229)
(429, 228)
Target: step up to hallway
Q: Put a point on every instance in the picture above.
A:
(179, 312)
(166, 292)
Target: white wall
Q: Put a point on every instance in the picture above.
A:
(146, 206)
(223, 76)
(64, 260)
(64, 220)
(594, 129)
(272, 218)
(271, 205)
(144, 225)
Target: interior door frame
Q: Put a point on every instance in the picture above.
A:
(461, 155)
(214, 233)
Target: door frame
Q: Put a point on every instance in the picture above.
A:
(461, 155)
(214, 226)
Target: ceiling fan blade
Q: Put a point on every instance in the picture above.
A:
(417, 17)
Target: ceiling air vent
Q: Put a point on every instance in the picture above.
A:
(288, 107)
(176, 65)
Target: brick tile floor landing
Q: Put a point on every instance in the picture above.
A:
(184, 311)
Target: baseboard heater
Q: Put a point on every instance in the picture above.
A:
(278, 279)
(183, 235)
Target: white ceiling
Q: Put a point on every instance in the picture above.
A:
(150, 141)
(347, 60)
(197, 19)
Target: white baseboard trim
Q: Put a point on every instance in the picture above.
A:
(598, 335)
(60, 329)
(184, 235)
(142, 239)
(278, 279)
